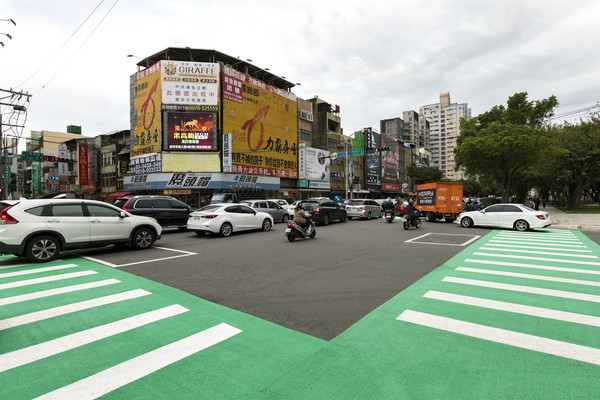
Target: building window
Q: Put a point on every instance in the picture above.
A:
(331, 143)
(305, 135)
(108, 179)
(307, 115)
(109, 159)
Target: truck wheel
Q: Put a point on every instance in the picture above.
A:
(430, 217)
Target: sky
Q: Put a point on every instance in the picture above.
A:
(373, 59)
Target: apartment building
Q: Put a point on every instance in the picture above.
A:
(444, 120)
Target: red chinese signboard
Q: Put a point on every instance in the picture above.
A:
(83, 164)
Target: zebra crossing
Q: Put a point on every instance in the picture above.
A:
(549, 275)
(48, 311)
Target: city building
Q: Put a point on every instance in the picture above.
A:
(444, 119)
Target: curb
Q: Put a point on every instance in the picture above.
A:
(576, 227)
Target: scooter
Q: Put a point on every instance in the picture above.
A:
(408, 223)
(389, 216)
(296, 231)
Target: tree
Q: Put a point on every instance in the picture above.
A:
(504, 142)
(421, 175)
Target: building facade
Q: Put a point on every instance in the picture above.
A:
(444, 119)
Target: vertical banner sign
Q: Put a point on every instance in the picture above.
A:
(35, 179)
(7, 174)
(146, 125)
(83, 164)
(301, 160)
(63, 169)
(227, 152)
(20, 175)
(390, 165)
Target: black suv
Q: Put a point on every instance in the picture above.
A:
(169, 212)
(324, 210)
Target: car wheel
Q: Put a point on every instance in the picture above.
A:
(291, 236)
(521, 225)
(226, 229)
(143, 238)
(368, 216)
(266, 225)
(326, 220)
(380, 214)
(42, 249)
(466, 222)
(285, 218)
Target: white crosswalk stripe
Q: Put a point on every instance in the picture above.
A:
(533, 251)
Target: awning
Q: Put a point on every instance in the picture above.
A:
(118, 195)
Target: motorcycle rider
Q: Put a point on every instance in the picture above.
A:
(301, 218)
(411, 212)
(388, 205)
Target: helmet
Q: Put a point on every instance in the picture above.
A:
(410, 202)
(388, 199)
(299, 206)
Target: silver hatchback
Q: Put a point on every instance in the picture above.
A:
(278, 213)
(363, 208)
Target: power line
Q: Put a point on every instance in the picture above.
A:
(76, 51)
(576, 112)
(60, 48)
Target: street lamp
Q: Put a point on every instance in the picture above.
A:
(10, 20)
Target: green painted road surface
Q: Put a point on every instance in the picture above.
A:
(514, 315)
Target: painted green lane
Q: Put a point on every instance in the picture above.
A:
(380, 357)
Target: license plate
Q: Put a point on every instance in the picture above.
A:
(197, 218)
(288, 230)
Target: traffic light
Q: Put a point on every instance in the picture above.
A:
(387, 148)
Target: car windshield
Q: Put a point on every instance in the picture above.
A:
(356, 202)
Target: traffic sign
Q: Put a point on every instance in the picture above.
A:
(7, 174)
(341, 154)
(358, 152)
(31, 156)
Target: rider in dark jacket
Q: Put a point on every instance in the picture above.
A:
(388, 205)
(411, 212)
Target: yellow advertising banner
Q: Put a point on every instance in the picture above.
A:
(262, 121)
(147, 131)
(191, 162)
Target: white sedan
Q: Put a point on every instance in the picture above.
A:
(513, 216)
(225, 219)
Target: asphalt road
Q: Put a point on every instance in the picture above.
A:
(319, 287)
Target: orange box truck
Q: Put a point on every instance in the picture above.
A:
(439, 200)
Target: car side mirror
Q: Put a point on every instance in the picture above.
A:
(122, 214)
(482, 211)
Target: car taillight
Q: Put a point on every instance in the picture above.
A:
(5, 218)
(125, 206)
(317, 209)
(211, 216)
(363, 207)
(542, 217)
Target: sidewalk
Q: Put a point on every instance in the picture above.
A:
(581, 222)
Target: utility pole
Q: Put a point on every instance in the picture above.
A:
(16, 102)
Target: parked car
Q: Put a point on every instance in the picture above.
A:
(324, 210)
(363, 208)
(284, 204)
(278, 213)
(169, 212)
(507, 215)
(40, 229)
(225, 219)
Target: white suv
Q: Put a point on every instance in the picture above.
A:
(40, 229)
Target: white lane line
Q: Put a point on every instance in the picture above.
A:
(37, 352)
(529, 276)
(522, 340)
(525, 289)
(46, 279)
(538, 234)
(515, 308)
(537, 252)
(495, 245)
(53, 292)
(185, 254)
(537, 258)
(70, 308)
(520, 241)
(533, 266)
(417, 238)
(36, 270)
(541, 238)
(129, 371)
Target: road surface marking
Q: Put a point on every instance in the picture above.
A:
(538, 258)
(537, 252)
(503, 336)
(54, 292)
(46, 279)
(129, 371)
(70, 308)
(525, 289)
(21, 265)
(535, 247)
(529, 276)
(515, 308)
(36, 270)
(37, 352)
(473, 238)
(552, 245)
(185, 254)
(534, 266)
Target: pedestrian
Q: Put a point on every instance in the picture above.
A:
(544, 203)
(475, 206)
(536, 201)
